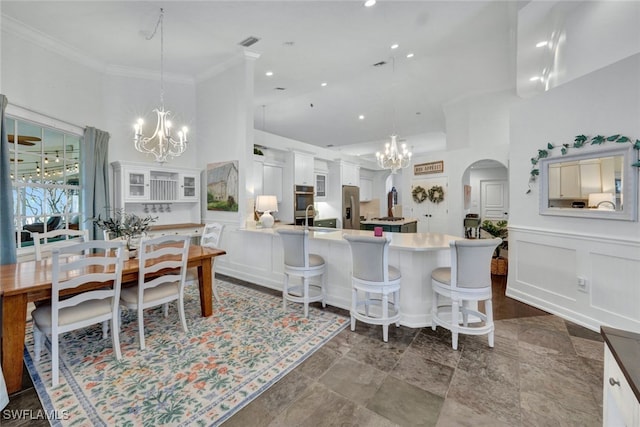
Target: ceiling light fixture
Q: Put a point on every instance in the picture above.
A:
(409, 55)
(393, 157)
(542, 44)
(369, 3)
(361, 117)
(57, 157)
(269, 73)
(323, 84)
(161, 144)
(535, 78)
(395, 46)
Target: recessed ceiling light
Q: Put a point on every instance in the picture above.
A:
(535, 79)
(369, 3)
(323, 84)
(395, 46)
(409, 55)
(269, 73)
(542, 44)
(361, 117)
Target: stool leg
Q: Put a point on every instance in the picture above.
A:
(305, 296)
(396, 305)
(324, 289)
(434, 309)
(455, 309)
(354, 306)
(488, 306)
(385, 316)
(285, 290)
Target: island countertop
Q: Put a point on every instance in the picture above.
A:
(400, 241)
(378, 221)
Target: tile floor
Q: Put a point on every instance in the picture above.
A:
(543, 371)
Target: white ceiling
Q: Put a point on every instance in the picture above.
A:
(462, 48)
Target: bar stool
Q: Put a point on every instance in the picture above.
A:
(372, 274)
(300, 263)
(467, 280)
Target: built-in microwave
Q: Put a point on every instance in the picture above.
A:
(303, 197)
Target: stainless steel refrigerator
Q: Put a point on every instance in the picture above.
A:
(351, 207)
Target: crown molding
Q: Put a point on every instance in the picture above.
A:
(219, 68)
(30, 34)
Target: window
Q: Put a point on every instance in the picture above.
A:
(45, 170)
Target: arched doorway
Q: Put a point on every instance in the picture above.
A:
(486, 192)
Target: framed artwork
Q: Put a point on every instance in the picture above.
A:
(467, 196)
(222, 186)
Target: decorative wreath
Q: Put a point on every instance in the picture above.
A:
(419, 194)
(435, 194)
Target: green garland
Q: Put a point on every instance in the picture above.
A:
(578, 142)
(419, 194)
(436, 194)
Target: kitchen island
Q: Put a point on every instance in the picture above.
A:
(256, 255)
(391, 224)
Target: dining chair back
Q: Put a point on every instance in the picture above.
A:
(45, 243)
(85, 308)
(465, 283)
(161, 278)
(299, 262)
(210, 238)
(373, 280)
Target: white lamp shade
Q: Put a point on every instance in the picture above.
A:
(267, 204)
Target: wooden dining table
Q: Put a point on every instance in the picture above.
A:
(30, 281)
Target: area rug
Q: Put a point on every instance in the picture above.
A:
(199, 378)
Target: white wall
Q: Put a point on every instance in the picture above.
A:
(548, 253)
(476, 176)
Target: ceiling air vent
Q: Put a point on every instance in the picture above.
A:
(279, 88)
(249, 41)
(379, 64)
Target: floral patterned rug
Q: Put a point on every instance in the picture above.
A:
(199, 378)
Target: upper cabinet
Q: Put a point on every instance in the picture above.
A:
(350, 173)
(136, 182)
(303, 169)
(366, 190)
(268, 178)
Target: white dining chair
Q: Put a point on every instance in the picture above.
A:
(45, 243)
(468, 280)
(298, 262)
(85, 308)
(211, 237)
(373, 281)
(155, 254)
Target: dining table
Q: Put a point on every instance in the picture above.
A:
(30, 281)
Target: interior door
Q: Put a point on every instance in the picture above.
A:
(432, 217)
(494, 196)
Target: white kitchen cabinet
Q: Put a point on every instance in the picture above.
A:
(620, 405)
(564, 181)
(138, 182)
(554, 182)
(321, 185)
(590, 178)
(189, 186)
(272, 181)
(366, 190)
(350, 173)
(303, 167)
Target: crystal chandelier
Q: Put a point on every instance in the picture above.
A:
(161, 144)
(393, 157)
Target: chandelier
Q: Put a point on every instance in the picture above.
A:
(394, 158)
(161, 144)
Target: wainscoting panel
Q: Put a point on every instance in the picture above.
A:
(589, 280)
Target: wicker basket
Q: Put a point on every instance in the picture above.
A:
(499, 266)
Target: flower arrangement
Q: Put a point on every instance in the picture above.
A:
(126, 225)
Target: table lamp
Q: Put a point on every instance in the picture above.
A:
(267, 204)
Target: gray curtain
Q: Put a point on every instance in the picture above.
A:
(7, 226)
(95, 177)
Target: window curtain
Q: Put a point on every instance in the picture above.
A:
(7, 226)
(95, 177)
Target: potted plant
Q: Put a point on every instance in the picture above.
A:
(499, 263)
(128, 226)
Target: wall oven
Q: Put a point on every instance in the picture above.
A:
(303, 197)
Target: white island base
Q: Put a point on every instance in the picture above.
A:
(255, 255)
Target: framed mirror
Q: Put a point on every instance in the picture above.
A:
(598, 183)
